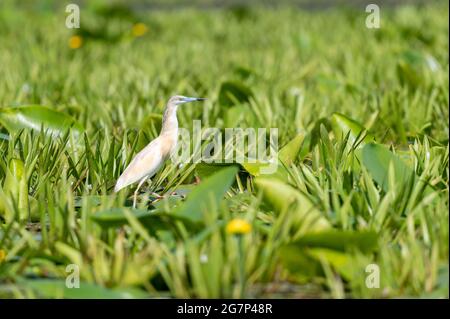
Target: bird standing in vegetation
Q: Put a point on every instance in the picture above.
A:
(148, 161)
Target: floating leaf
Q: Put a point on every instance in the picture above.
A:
(232, 93)
(364, 241)
(35, 117)
(311, 262)
(342, 124)
(277, 193)
(303, 257)
(204, 170)
(254, 168)
(286, 156)
(290, 151)
(281, 196)
(94, 200)
(301, 266)
(167, 203)
(377, 159)
(49, 288)
(182, 190)
(340, 261)
(266, 168)
(210, 191)
(116, 217)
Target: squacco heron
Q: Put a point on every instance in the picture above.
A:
(148, 161)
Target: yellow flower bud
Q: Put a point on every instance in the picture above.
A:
(75, 42)
(139, 29)
(238, 226)
(2, 255)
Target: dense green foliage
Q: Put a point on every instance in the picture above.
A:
(363, 178)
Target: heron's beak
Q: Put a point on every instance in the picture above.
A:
(192, 99)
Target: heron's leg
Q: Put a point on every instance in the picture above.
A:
(137, 190)
(153, 193)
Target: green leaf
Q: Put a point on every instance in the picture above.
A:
(254, 168)
(272, 169)
(377, 159)
(35, 117)
(289, 152)
(204, 170)
(302, 258)
(414, 67)
(115, 217)
(301, 266)
(364, 241)
(49, 288)
(342, 124)
(281, 196)
(15, 186)
(208, 193)
(315, 135)
(341, 262)
(232, 93)
(94, 200)
(71, 253)
(286, 156)
(409, 75)
(239, 115)
(276, 193)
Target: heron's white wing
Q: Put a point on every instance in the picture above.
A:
(145, 163)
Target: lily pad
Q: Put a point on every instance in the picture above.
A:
(36, 117)
(377, 159)
(208, 193)
(342, 125)
(49, 288)
(281, 196)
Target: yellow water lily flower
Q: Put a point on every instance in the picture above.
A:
(139, 29)
(2, 255)
(238, 226)
(75, 42)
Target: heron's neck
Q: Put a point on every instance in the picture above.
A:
(169, 121)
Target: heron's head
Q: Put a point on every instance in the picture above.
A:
(180, 99)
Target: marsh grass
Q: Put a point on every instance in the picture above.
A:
(292, 70)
